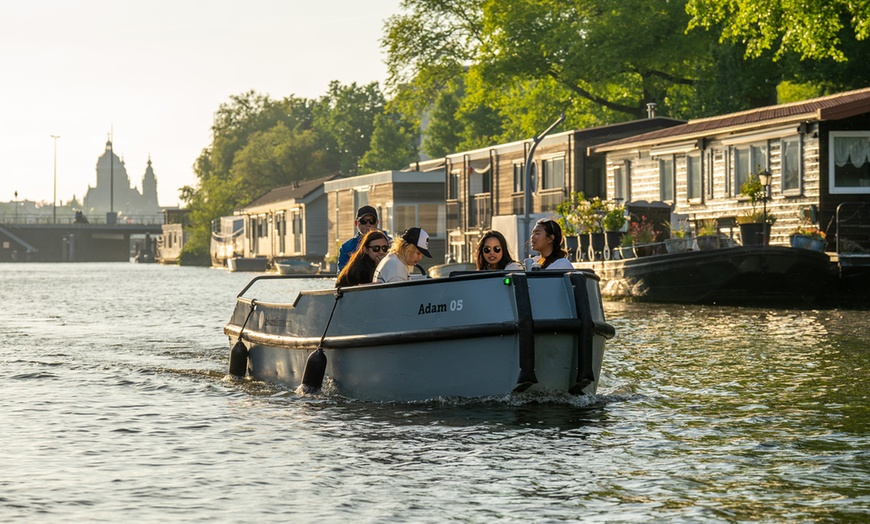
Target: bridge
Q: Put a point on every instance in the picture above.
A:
(38, 238)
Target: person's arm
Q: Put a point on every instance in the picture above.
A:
(561, 263)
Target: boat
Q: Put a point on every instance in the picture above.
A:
(255, 264)
(443, 270)
(468, 335)
(736, 275)
(288, 266)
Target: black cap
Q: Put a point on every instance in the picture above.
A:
(366, 210)
(419, 238)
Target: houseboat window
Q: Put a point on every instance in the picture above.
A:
(417, 215)
(849, 161)
(693, 176)
(360, 199)
(453, 186)
(519, 177)
(790, 152)
(553, 173)
(666, 179)
(621, 177)
(297, 232)
(707, 169)
(748, 160)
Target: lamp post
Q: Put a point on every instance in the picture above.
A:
(765, 178)
(54, 198)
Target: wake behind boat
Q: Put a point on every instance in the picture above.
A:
(470, 335)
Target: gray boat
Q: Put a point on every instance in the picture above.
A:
(479, 334)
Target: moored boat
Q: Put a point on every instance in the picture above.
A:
(738, 275)
(470, 335)
(295, 267)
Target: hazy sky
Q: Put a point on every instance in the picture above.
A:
(154, 72)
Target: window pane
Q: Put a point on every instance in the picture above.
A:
(693, 174)
(666, 179)
(741, 167)
(790, 151)
(519, 178)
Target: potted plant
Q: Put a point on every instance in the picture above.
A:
(592, 219)
(626, 246)
(614, 224)
(569, 218)
(754, 231)
(708, 234)
(643, 236)
(680, 239)
(808, 237)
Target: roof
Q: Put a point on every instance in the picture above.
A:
(832, 107)
(296, 191)
(589, 133)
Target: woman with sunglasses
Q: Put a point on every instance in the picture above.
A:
(360, 269)
(492, 253)
(546, 239)
(407, 251)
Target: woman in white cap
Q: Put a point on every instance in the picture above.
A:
(407, 251)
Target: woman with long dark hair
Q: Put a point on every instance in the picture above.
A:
(493, 253)
(360, 269)
(547, 239)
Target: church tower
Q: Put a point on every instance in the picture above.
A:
(149, 190)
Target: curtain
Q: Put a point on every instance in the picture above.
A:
(851, 149)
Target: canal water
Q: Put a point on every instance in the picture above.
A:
(116, 407)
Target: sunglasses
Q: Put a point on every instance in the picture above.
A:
(367, 221)
(487, 249)
(378, 249)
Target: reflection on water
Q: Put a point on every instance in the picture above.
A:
(118, 407)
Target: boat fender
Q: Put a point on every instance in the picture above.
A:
(239, 353)
(315, 366)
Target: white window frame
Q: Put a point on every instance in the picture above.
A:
(862, 190)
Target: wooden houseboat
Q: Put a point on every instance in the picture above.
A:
(288, 222)
(817, 152)
(486, 187)
(403, 199)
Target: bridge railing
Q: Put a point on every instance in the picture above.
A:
(42, 218)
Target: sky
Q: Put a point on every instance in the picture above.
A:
(153, 73)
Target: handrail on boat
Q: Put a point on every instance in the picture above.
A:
(276, 277)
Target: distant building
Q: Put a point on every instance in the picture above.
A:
(113, 191)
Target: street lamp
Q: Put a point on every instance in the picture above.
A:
(765, 177)
(54, 200)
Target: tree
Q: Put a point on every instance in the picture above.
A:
(393, 145)
(814, 30)
(345, 118)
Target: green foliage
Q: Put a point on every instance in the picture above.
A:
(814, 30)
(345, 116)
(708, 227)
(614, 219)
(392, 147)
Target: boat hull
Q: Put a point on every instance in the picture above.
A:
(253, 264)
(741, 275)
(478, 335)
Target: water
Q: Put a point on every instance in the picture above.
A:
(115, 407)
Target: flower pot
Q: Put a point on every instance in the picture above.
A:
(626, 252)
(597, 241)
(807, 242)
(644, 250)
(614, 238)
(571, 244)
(584, 247)
(678, 245)
(708, 242)
(755, 234)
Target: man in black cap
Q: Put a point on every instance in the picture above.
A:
(366, 220)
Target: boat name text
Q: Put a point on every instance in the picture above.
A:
(426, 309)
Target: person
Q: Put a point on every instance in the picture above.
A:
(493, 253)
(361, 267)
(366, 220)
(546, 239)
(407, 252)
